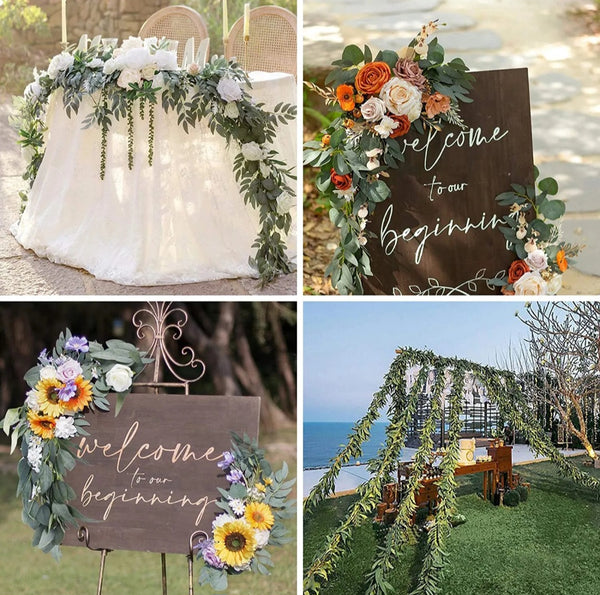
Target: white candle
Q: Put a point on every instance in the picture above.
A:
(246, 20)
(64, 22)
(225, 21)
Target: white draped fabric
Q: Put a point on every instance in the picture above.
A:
(181, 220)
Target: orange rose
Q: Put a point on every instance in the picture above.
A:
(517, 269)
(340, 182)
(561, 261)
(437, 104)
(403, 125)
(345, 95)
(505, 291)
(372, 76)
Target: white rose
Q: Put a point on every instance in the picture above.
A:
(537, 260)
(158, 81)
(242, 567)
(128, 76)
(231, 110)
(110, 66)
(28, 153)
(166, 60)
(373, 109)
(401, 98)
(119, 377)
(65, 427)
(69, 370)
(530, 284)
(59, 63)
(262, 538)
(554, 285)
(285, 202)
(136, 59)
(132, 43)
(229, 90)
(96, 63)
(32, 400)
(265, 170)
(148, 72)
(222, 519)
(252, 151)
(48, 373)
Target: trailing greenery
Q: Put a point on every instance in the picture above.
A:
(449, 376)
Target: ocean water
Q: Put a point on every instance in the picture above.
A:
(322, 440)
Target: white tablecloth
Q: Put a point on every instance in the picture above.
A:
(182, 220)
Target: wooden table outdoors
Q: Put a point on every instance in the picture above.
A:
(490, 475)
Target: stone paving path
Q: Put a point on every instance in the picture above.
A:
(24, 273)
(564, 75)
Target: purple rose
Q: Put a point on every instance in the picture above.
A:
(68, 391)
(227, 460)
(209, 555)
(69, 370)
(235, 476)
(79, 344)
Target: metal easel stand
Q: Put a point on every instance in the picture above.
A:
(158, 322)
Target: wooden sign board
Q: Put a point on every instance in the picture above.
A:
(149, 476)
(436, 232)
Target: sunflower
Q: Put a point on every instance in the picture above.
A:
(82, 396)
(259, 516)
(41, 425)
(49, 401)
(235, 543)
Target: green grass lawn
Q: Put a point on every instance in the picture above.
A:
(548, 545)
(27, 571)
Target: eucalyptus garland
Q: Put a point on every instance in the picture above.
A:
(119, 81)
(68, 382)
(450, 374)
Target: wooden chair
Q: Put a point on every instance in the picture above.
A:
(273, 40)
(178, 23)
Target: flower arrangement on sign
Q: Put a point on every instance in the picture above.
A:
(382, 99)
(74, 379)
(542, 257)
(139, 74)
(253, 506)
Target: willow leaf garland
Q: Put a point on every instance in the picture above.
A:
(502, 389)
(195, 96)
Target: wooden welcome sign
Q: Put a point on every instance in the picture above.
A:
(149, 476)
(436, 233)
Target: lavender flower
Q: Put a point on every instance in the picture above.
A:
(43, 357)
(79, 344)
(68, 391)
(227, 460)
(235, 476)
(209, 555)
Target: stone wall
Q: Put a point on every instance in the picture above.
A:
(109, 18)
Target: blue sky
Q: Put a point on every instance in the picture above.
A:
(348, 346)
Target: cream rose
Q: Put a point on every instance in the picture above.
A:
(48, 373)
(285, 202)
(554, 285)
(530, 284)
(373, 109)
(119, 377)
(262, 538)
(110, 66)
(537, 260)
(128, 76)
(165, 60)
(231, 110)
(59, 63)
(252, 151)
(148, 72)
(401, 98)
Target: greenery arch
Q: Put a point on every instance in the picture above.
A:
(449, 377)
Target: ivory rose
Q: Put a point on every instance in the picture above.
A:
(401, 98)
(148, 72)
(437, 104)
(61, 62)
(135, 59)
(530, 284)
(165, 60)
(373, 109)
(285, 203)
(119, 377)
(132, 43)
(231, 110)
(371, 77)
(537, 260)
(554, 284)
(252, 151)
(229, 89)
(128, 77)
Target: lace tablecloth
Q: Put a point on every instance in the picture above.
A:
(180, 220)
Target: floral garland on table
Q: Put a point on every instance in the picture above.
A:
(542, 257)
(64, 386)
(382, 99)
(139, 75)
(253, 506)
